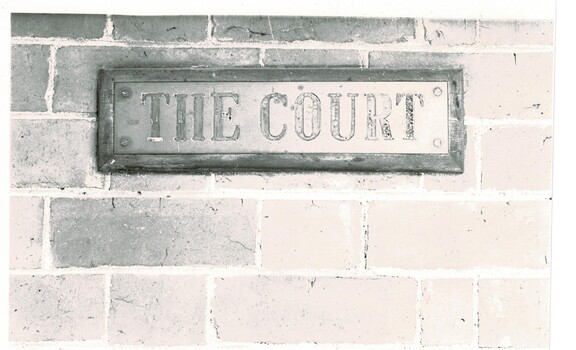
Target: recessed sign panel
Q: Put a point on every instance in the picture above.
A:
(267, 119)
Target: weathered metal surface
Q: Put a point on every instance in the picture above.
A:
(272, 117)
(280, 119)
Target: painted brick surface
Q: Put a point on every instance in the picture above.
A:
(311, 58)
(497, 85)
(319, 181)
(58, 25)
(155, 28)
(517, 159)
(75, 85)
(447, 312)
(157, 310)
(327, 29)
(158, 182)
(48, 308)
(499, 32)
(510, 85)
(153, 232)
(298, 309)
(292, 231)
(459, 235)
(26, 215)
(450, 32)
(42, 155)
(233, 260)
(514, 313)
(29, 78)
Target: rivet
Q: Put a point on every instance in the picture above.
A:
(125, 92)
(437, 91)
(437, 142)
(124, 141)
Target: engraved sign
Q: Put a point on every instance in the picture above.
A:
(280, 119)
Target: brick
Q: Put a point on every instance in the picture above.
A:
(450, 32)
(517, 158)
(447, 316)
(53, 308)
(42, 155)
(152, 232)
(292, 232)
(26, 215)
(513, 85)
(158, 182)
(74, 26)
(497, 85)
(465, 182)
(311, 58)
(29, 77)
(157, 310)
(287, 309)
(160, 28)
(414, 60)
(517, 32)
(319, 181)
(75, 84)
(514, 313)
(327, 29)
(459, 235)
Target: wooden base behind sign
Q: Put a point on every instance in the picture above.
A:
(293, 119)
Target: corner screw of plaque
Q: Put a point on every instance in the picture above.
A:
(125, 92)
(437, 91)
(124, 141)
(437, 143)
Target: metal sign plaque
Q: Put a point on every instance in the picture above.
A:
(280, 119)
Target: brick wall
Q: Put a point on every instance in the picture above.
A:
(240, 260)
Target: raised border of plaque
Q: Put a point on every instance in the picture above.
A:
(109, 161)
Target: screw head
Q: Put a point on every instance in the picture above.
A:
(437, 91)
(124, 141)
(437, 142)
(125, 92)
